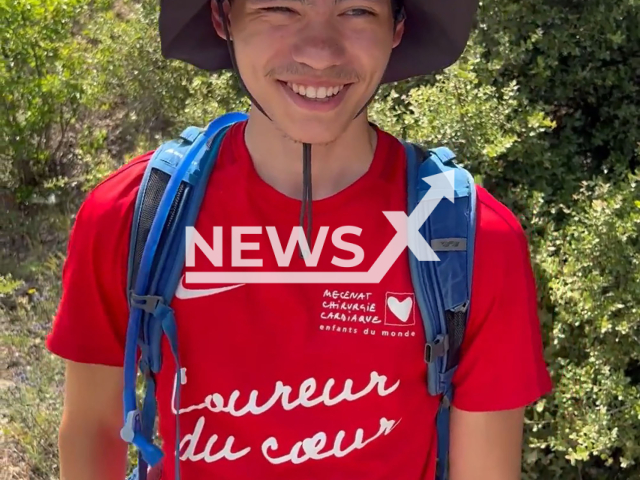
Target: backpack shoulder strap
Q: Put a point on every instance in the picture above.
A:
(168, 201)
(443, 287)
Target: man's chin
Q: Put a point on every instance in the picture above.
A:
(319, 131)
(314, 135)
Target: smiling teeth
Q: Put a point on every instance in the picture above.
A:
(313, 92)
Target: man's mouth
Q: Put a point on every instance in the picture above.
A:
(315, 97)
(317, 93)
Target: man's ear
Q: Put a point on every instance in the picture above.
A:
(398, 33)
(217, 18)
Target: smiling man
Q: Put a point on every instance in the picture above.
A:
(301, 380)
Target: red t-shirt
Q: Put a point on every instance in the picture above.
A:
(293, 381)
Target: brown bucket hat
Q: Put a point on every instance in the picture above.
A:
(436, 33)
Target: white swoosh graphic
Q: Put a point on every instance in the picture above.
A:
(184, 293)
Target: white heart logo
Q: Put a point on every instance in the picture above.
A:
(400, 309)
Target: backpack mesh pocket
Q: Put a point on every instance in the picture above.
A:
(157, 183)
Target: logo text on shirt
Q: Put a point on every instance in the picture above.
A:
(407, 235)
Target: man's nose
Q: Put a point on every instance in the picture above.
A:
(320, 45)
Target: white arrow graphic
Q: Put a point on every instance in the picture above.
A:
(441, 187)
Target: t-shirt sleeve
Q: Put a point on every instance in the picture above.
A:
(501, 365)
(91, 320)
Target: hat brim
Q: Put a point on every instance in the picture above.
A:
(436, 33)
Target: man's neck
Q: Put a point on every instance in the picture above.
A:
(278, 159)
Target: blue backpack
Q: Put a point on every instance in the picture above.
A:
(168, 201)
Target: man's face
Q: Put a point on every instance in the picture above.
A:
(311, 64)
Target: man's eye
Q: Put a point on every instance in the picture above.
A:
(359, 12)
(278, 9)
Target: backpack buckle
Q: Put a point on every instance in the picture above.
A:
(130, 433)
(437, 348)
(131, 426)
(148, 303)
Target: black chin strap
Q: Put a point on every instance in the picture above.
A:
(307, 197)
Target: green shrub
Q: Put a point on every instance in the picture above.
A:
(579, 63)
(41, 83)
(590, 273)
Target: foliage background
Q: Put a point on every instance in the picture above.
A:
(543, 107)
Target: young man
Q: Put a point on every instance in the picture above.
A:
(274, 385)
